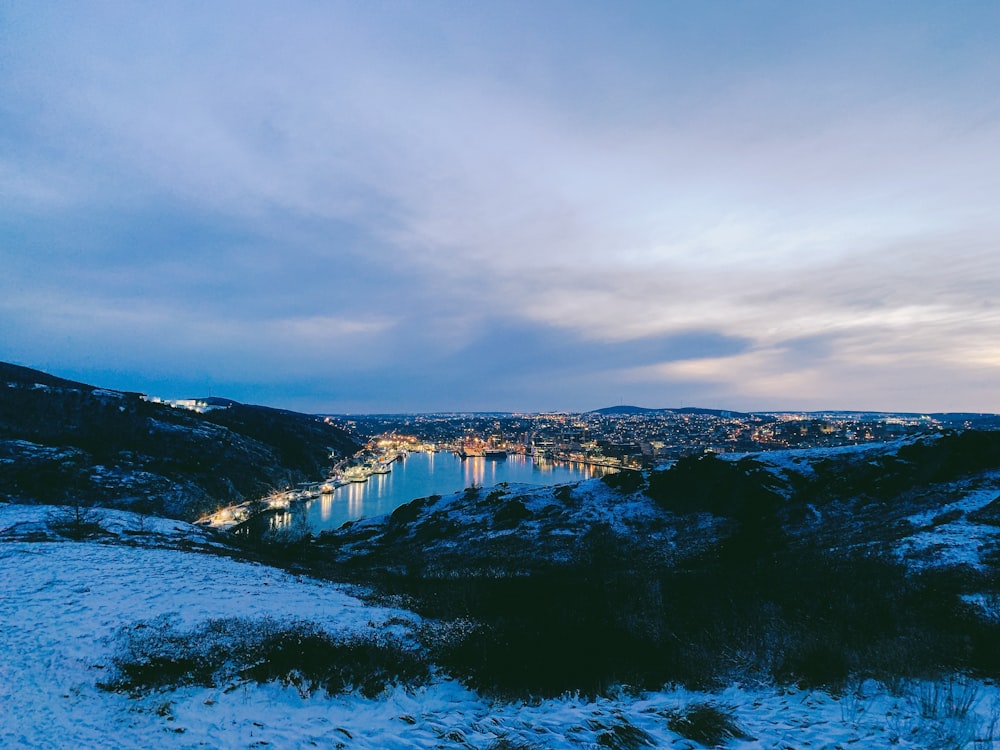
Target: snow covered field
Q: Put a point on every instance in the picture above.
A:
(62, 602)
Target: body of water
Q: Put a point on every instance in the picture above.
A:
(423, 474)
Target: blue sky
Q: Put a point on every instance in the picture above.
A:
(515, 206)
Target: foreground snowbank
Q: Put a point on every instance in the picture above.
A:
(62, 602)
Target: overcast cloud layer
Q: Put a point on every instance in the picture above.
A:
(518, 206)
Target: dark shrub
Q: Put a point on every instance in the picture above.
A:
(75, 522)
(310, 659)
(988, 514)
(817, 664)
(614, 617)
(505, 743)
(706, 724)
(623, 735)
(626, 481)
(407, 513)
(511, 514)
(947, 517)
(155, 655)
(708, 484)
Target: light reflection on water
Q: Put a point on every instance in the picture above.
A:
(423, 474)
(325, 507)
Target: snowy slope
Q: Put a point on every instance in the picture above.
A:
(62, 602)
(935, 524)
(518, 527)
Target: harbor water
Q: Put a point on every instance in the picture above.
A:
(424, 474)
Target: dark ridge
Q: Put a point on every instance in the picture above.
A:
(625, 410)
(217, 401)
(69, 443)
(713, 412)
(25, 376)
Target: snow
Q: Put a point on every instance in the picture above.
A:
(35, 522)
(584, 504)
(958, 541)
(987, 604)
(108, 394)
(556, 517)
(61, 603)
(799, 460)
(35, 450)
(942, 535)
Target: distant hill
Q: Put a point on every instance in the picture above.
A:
(627, 410)
(978, 420)
(609, 410)
(62, 441)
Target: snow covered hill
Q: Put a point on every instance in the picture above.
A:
(69, 610)
(934, 500)
(802, 567)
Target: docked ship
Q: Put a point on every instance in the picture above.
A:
(357, 474)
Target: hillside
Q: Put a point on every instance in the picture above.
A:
(883, 496)
(826, 597)
(68, 442)
(150, 633)
(807, 567)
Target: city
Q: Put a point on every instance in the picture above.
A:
(634, 438)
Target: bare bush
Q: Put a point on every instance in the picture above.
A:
(155, 655)
(74, 521)
(620, 734)
(706, 723)
(952, 698)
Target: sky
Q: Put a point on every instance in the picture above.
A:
(519, 206)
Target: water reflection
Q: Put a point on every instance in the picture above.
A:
(423, 474)
(326, 506)
(355, 492)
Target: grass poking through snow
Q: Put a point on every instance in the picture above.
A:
(706, 723)
(156, 655)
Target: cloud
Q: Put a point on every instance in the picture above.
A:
(506, 202)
